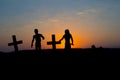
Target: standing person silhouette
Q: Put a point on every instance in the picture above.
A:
(37, 37)
(67, 36)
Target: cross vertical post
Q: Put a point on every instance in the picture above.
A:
(15, 45)
(53, 39)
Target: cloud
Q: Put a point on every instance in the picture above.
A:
(54, 20)
(86, 12)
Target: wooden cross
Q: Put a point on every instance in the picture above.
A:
(53, 42)
(15, 43)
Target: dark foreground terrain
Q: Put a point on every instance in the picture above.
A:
(74, 56)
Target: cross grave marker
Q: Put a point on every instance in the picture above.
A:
(53, 42)
(15, 43)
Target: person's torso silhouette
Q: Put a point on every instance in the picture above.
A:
(67, 36)
(37, 37)
(67, 41)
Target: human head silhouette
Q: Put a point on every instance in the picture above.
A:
(67, 31)
(36, 31)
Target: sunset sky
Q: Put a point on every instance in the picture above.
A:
(89, 21)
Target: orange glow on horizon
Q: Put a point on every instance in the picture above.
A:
(78, 43)
(58, 30)
(82, 36)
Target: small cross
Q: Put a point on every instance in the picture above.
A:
(15, 43)
(53, 42)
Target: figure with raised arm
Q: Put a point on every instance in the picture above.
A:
(37, 37)
(67, 36)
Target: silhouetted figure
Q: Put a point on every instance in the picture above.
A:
(37, 37)
(101, 47)
(53, 42)
(15, 43)
(93, 47)
(67, 36)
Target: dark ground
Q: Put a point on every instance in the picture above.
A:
(74, 56)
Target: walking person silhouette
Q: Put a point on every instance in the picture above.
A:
(37, 37)
(67, 36)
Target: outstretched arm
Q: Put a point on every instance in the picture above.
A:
(32, 42)
(42, 37)
(61, 39)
